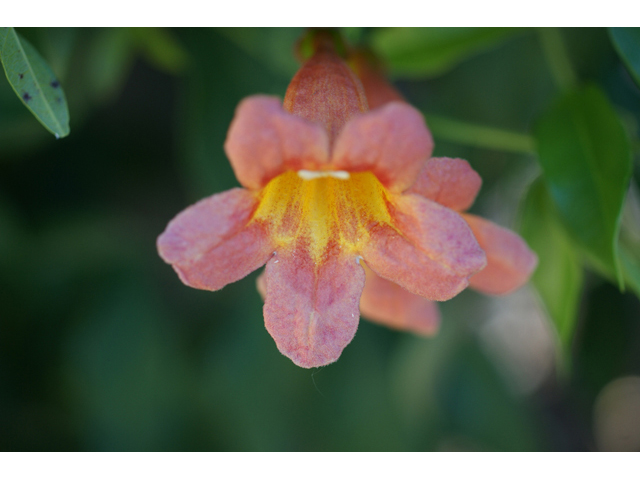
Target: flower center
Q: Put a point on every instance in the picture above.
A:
(323, 211)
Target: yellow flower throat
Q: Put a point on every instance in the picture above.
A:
(324, 210)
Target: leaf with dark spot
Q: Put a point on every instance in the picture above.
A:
(30, 77)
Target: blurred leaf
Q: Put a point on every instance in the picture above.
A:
(353, 35)
(421, 52)
(559, 276)
(630, 240)
(161, 49)
(626, 40)
(274, 47)
(586, 159)
(109, 61)
(630, 259)
(479, 135)
(34, 82)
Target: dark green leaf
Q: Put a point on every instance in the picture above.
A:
(558, 277)
(34, 82)
(420, 52)
(626, 40)
(585, 155)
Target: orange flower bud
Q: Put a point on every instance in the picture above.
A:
(325, 90)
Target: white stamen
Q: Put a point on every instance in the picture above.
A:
(312, 175)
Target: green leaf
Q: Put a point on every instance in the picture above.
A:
(559, 275)
(586, 159)
(630, 241)
(34, 82)
(420, 52)
(626, 41)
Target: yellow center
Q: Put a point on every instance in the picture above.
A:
(337, 208)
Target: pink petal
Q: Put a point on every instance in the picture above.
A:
(432, 253)
(449, 181)
(213, 242)
(311, 310)
(389, 304)
(510, 262)
(392, 142)
(264, 140)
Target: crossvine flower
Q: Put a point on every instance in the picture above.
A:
(329, 187)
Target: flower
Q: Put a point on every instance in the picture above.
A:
(452, 183)
(327, 184)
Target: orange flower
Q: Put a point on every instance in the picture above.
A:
(451, 182)
(328, 184)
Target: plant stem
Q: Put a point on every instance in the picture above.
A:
(557, 57)
(479, 135)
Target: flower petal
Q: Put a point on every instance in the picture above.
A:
(264, 140)
(432, 253)
(392, 142)
(510, 262)
(449, 181)
(389, 304)
(213, 242)
(311, 310)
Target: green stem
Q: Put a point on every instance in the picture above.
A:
(557, 57)
(479, 136)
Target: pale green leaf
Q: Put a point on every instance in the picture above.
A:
(34, 82)
(558, 278)
(630, 241)
(586, 159)
(422, 52)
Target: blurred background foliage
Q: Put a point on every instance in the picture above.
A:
(102, 347)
